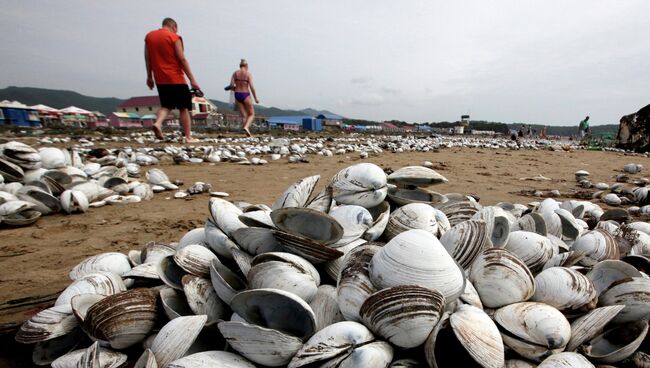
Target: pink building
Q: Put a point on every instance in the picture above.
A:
(124, 120)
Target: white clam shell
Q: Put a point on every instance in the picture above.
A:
(591, 324)
(466, 240)
(598, 245)
(412, 216)
(348, 344)
(354, 285)
(361, 184)
(47, 324)
(416, 257)
(194, 259)
(500, 278)
(94, 356)
(206, 359)
(404, 315)
(74, 200)
(261, 345)
(114, 262)
(101, 282)
(479, 335)
(297, 194)
(535, 326)
(284, 271)
(326, 307)
(564, 289)
(203, 299)
(498, 224)
(175, 338)
(634, 293)
(533, 249)
(566, 360)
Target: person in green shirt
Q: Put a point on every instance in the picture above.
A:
(584, 127)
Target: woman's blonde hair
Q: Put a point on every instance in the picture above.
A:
(243, 62)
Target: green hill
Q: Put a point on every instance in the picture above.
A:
(60, 99)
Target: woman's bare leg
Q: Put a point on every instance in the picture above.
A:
(250, 112)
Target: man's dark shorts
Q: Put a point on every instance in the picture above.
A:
(175, 96)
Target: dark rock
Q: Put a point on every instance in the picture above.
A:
(634, 131)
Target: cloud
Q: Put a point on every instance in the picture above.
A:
(390, 91)
(368, 99)
(360, 80)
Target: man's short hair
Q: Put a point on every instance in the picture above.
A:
(169, 22)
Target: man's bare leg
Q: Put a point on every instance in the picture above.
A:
(157, 126)
(186, 122)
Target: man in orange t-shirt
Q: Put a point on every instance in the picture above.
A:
(167, 65)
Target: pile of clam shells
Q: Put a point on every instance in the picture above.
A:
(374, 270)
(52, 180)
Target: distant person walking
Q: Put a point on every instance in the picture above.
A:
(242, 82)
(167, 66)
(583, 128)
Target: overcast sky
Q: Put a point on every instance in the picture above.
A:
(551, 61)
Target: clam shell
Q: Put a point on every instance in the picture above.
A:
(362, 184)
(174, 303)
(322, 201)
(114, 262)
(607, 272)
(259, 218)
(566, 259)
(225, 215)
(276, 309)
(380, 215)
(498, 224)
(570, 227)
(533, 222)
(74, 200)
(355, 221)
(354, 285)
(326, 307)
(297, 194)
(170, 273)
(591, 324)
(175, 338)
(566, 360)
(94, 356)
(634, 293)
(533, 249)
(312, 251)
(404, 196)
(458, 212)
(479, 335)
(598, 245)
(256, 240)
(417, 176)
(466, 241)
(261, 345)
(202, 299)
(404, 315)
(194, 259)
(284, 271)
(101, 282)
(333, 268)
(218, 241)
(48, 351)
(500, 278)
(206, 359)
(317, 226)
(123, 319)
(564, 289)
(343, 344)
(617, 343)
(416, 257)
(533, 329)
(47, 324)
(194, 236)
(225, 282)
(412, 216)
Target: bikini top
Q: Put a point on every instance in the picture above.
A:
(240, 80)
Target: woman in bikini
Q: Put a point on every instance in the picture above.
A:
(242, 80)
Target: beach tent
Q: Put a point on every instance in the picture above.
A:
(45, 109)
(74, 110)
(19, 114)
